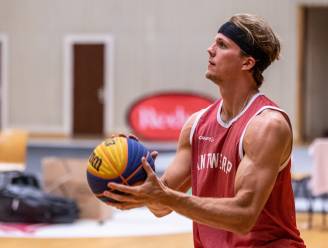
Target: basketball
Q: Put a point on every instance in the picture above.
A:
(116, 160)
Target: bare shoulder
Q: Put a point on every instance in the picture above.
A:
(269, 132)
(190, 121)
(271, 121)
(187, 129)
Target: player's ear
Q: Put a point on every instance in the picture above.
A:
(248, 63)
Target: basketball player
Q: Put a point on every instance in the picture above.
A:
(235, 154)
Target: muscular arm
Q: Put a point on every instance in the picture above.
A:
(267, 144)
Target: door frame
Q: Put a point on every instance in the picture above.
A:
(69, 42)
(4, 80)
(301, 45)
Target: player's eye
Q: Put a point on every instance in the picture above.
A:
(221, 44)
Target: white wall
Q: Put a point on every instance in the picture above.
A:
(159, 45)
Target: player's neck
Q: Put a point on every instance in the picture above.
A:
(235, 100)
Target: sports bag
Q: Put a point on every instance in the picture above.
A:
(22, 200)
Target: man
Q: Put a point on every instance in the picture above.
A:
(235, 154)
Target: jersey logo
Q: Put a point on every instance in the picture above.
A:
(206, 138)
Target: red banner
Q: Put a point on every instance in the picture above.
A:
(160, 117)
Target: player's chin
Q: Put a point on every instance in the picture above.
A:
(209, 75)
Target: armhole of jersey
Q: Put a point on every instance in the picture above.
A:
(194, 125)
(241, 149)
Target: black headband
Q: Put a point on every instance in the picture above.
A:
(241, 38)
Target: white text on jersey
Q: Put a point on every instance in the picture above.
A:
(214, 161)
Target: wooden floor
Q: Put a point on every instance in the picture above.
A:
(164, 241)
(317, 237)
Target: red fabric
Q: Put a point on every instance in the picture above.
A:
(215, 162)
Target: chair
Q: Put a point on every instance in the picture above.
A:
(301, 188)
(13, 149)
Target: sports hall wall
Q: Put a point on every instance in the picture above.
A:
(158, 45)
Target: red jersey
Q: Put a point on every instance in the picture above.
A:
(216, 152)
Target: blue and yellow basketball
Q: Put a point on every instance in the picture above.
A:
(116, 160)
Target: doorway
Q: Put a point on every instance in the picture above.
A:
(3, 81)
(88, 85)
(313, 97)
(88, 89)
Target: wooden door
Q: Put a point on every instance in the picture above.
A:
(315, 74)
(88, 103)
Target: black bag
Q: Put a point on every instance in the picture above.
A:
(22, 200)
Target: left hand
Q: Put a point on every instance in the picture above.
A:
(148, 193)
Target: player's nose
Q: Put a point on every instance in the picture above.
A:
(210, 50)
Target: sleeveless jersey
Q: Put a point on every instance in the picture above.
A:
(216, 152)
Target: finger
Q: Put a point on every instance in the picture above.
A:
(123, 188)
(154, 154)
(120, 198)
(116, 205)
(132, 136)
(122, 135)
(124, 206)
(131, 206)
(111, 204)
(147, 167)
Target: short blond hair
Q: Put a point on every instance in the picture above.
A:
(260, 34)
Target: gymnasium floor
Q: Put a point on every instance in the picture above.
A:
(135, 228)
(315, 238)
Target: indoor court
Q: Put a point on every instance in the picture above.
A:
(315, 238)
(138, 228)
(75, 74)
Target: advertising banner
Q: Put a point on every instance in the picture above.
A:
(160, 117)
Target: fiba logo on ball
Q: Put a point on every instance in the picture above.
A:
(116, 160)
